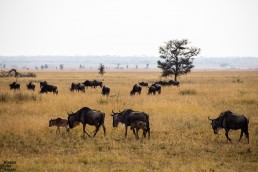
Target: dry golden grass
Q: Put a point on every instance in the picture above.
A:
(181, 135)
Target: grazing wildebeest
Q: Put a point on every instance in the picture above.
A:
(136, 89)
(49, 88)
(128, 116)
(42, 83)
(143, 84)
(163, 83)
(15, 86)
(97, 83)
(158, 87)
(175, 83)
(93, 83)
(78, 87)
(139, 125)
(88, 116)
(105, 90)
(31, 86)
(152, 90)
(228, 120)
(59, 122)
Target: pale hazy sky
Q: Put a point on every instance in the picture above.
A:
(127, 27)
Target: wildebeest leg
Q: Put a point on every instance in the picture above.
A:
(97, 129)
(227, 134)
(247, 135)
(125, 130)
(137, 135)
(57, 130)
(84, 130)
(241, 135)
(104, 129)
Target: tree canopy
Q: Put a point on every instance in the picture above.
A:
(177, 58)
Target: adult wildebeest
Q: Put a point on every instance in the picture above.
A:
(88, 116)
(78, 87)
(49, 88)
(128, 116)
(31, 86)
(105, 90)
(144, 84)
(136, 89)
(175, 83)
(93, 83)
(158, 87)
(152, 90)
(59, 122)
(14, 86)
(139, 125)
(228, 120)
(42, 83)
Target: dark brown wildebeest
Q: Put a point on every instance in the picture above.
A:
(93, 83)
(14, 86)
(105, 90)
(42, 83)
(152, 90)
(228, 120)
(31, 86)
(49, 88)
(143, 84)
(59, 122)
(136, 89)
(128, 116)
(88, 116)
(139, 125)
(175, 83)
(78, 87)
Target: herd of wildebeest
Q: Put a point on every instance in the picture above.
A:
(130, 118)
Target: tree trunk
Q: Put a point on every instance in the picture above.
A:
(175, 77)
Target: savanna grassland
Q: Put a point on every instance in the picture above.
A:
(181, 135)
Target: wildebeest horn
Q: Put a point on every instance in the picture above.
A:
(209, 118)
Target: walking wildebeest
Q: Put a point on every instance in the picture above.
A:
(88, 116)
(139, 125)
(128, 116)
(78, 87)
(136, 89)
(42, 83)
(93, 83)
(105, 90)
(15, 86)
(228, 120)
(49, 88)
(31, 86)
(59, 122)
(144, 84)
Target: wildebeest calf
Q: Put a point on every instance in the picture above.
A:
(139, 125)
(59, 122)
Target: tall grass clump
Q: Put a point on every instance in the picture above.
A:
(5, 97)
(187, 92)
(18, 97)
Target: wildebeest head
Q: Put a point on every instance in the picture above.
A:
(71, 120)
(51, 123)
(215, 125)
(116, 118)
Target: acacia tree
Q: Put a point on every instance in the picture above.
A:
(178, 58)
(101, 69)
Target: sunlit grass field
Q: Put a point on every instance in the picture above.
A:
(181, 135)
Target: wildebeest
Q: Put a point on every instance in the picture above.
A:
(228, 120)
(78, 87)
(152, 90)
(139, 125)
(136, 89)
(88, 116)
(42, 83)
(128, 116)
(49, 88)
(93, 83)
(14, 86)
(105, 90)
(31, 86)
(175, 83)
(59, 122)
(143, 84)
